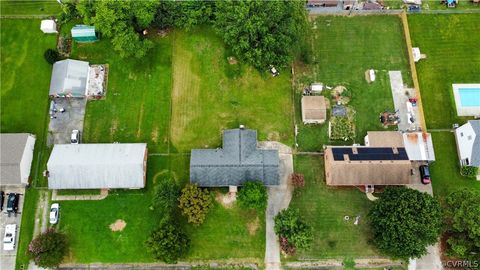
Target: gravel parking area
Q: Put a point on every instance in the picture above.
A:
(62, 123)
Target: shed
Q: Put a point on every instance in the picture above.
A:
(316, 87)
(16, 158)
(69, 78)
(314, 110)
(97, 166)
(48, 27)
(84, 33)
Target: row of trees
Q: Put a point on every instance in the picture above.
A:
(260, 33)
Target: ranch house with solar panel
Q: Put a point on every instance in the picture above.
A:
(237, 162)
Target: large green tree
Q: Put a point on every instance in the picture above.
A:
(165, 197)
(404, 222)
(122, 21)
(168, 242)
(261, 33)
(290, 227)
(184, 14)
(195, 203)
(253, 194)
(462, 218)
(48, 249)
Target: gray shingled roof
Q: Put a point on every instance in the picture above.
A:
(238, 161)
(476, 144)
(69, 77)
(12, 146)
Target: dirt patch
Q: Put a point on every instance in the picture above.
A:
(253, 226)
(118, 225)
(140, 119)
(232, 60)
(226, 200)
(273, 136)
(155, 135)
(337, 91)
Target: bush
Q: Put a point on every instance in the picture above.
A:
(342, 128)
(48, 248)
(298, 180)
(168, 242)
(165, 197)
(469, 171)
(289, 225)
(51, 56)
(195, 203)
(253, 195)
(287, 247)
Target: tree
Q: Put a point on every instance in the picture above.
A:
(51, 56)
(469, 171)
(462, 219)
(195, 203)
(404, 222)
(253, 195)
(261, 33)
(165, 197)
(48, 248)
(294, 233)
(183, 14)
(168, 242)
(123, 22)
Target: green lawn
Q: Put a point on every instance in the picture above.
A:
(344, 48)
(451, 45)
(446, 170)
(30, 7)
(209, 95)
(324, 209)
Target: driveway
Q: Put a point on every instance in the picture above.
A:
(403, 107)
(278, 199)
(7, 258)
(62, 123)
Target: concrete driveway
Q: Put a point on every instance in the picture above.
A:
(7, 258)
(278, 199)
(61, 124)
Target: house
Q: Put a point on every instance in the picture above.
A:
(97, 166)
(468, 143)
(349, 4)
(237, 162)
(372, 6)
(314, 109)
(84, 33)
(418, 145)
(48, 27)
(69, 78)
(322, 3)
(367, 166)
(16, 154)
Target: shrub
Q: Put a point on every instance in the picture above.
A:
(469, 171)
(165, 197)
(253, 195)
(342, 128)
(289, 225)
(286, 247)
(195, 203)
(51, 56)
(48, 248)
(168, 242)
(298, 180)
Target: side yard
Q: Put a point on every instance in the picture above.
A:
(344, 48)
(30, 7)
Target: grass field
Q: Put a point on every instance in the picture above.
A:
(344, 48)
(324, 209)
(30, 7)
(450, 43)
(210, 95)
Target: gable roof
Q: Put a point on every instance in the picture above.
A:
(12, 149)
(238, 161)
(468, 143)
(314, 108)
(91, 166)
(69, 77)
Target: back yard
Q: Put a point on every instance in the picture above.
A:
(343, 49)
(450, 42)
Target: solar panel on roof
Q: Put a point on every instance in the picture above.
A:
(370, 153)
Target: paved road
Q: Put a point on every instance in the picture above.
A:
(278, 198)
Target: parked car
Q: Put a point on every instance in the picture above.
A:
(12, 202)
(425, 174)
(75, 138)
(54, 213)
(414, 9)
(9, 237)
(2, 194)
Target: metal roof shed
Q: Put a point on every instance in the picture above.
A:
(69, 78)
(97, 166)
(84, 33)
(15, 158)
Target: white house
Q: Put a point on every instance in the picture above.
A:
(16, 158)
(468, 143)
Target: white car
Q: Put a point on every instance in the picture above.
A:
(9, 238)
(75, 137)
(54, 212)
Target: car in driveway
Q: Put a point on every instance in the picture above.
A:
(54, 213)
(12, 203)
(9, 237)
(75, 137)
(425, 174)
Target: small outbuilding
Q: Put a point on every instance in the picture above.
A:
(316, 87)
(97, 166)
(84, 33)
(69, 78)
(16, 158)
(48, 27)
(314, 109)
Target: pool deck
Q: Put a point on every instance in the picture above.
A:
(461, 110)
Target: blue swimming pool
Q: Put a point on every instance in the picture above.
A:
(469, 97)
